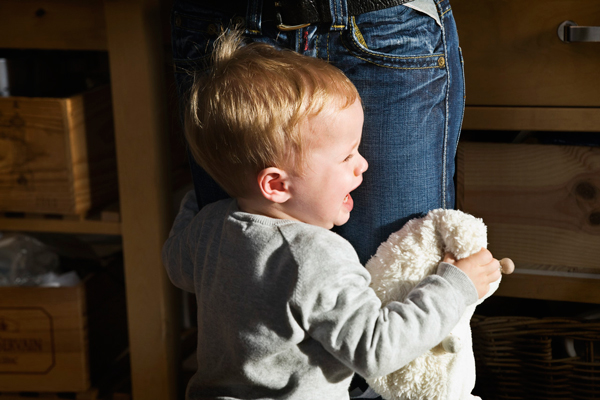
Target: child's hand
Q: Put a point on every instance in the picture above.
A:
(482, 268)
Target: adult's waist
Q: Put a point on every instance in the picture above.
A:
(300, 12)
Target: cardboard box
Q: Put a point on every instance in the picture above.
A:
(541, 203)
(57, 155)
(43, 339)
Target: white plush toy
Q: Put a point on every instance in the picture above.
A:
(446, 372)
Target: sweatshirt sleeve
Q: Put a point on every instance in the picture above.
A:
(175, 251)
(337, 308)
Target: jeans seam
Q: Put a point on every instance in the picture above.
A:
(464, 93)
(335, 19)
(358, 33)
(446, 116)
(334, 9)
(390, 67)
(253, 18)
(393, 57)
(335, 12)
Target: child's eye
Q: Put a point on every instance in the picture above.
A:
(348, 158)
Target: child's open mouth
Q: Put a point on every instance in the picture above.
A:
(348, 202)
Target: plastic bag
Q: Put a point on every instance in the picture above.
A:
(25, 261)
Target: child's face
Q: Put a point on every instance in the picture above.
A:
(334, 168)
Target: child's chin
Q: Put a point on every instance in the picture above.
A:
(342, 220)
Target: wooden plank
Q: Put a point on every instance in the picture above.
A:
(56, 24)
(547, 287)
(93, 154)
(91, 394)
(139, 98)
(34, 138)
(566, 246)
(532, 119)
(541, 203)
(513, 56)
(60, 226)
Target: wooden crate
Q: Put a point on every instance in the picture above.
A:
(541, 203)
(57, 155)
(65, 340)
(43, 339)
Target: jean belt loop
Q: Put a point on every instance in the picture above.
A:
(339, 14)
(254, 17)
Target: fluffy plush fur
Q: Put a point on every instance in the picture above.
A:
(446, 372)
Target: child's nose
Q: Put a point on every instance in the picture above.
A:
(361, 167)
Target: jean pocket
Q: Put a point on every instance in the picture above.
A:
(396, 37)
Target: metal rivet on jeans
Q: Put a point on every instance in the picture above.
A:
(240, 21)
(441, 62)
(212, 29)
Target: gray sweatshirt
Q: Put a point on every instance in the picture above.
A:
(285, 310)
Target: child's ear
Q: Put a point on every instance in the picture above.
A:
(274, 184)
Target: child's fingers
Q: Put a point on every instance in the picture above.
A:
(482, 257)
(449, 258)
(494, 269)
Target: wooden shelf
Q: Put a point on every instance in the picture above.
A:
(56, 25)
(549, 287)
(60, 226)
(532, 118)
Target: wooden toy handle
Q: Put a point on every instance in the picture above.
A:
(507, 266)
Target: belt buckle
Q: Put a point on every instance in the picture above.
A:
(283, 27)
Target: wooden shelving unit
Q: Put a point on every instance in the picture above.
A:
(132, 33)
(521, 77)
(547, 287)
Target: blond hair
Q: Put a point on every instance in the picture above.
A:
(244, 114)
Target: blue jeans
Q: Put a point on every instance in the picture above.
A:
(408, 71)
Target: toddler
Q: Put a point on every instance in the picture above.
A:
(284, 306)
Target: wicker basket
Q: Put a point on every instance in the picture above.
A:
(537, 358)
